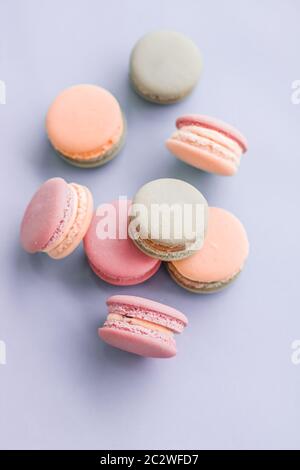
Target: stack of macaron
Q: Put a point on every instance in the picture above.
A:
(168, 221)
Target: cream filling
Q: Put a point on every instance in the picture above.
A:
(136, 321)
(75, 229)
(150, 316)
(210, 140)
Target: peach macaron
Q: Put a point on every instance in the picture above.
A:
(57, 218)
(221, 258)
(208, 144)
(86, 126)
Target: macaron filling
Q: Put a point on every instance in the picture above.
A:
(211, 141)
(135, 328)
(75, 229)
(221, 128)
(156, 319)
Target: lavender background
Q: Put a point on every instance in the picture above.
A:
(233, 384)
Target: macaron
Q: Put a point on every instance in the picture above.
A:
(168, 219)
(208, 144)
(165, 66)
(141, 326)
(86, 126)
(56, 218)
(221, 258)
(111, 253)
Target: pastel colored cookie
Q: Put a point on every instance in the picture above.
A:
(57, 218)
(112, 255)
(165, 66)
(221, 258)
(168, 219)
(85, 125)
(208, 144)
(141, 326)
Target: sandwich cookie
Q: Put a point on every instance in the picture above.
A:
(141, 326)
(56, 218)
(208, 144)
(165, 66)
(111, 253)
(221, 258)
(85, 125)
(168, 219)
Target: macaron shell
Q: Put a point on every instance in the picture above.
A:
(84, 121)
(43, 214)
(169, 192)
(215, 124)
(201, 159)
(117, 260)
(147, 304)
(165, 66)
(109, 155)
(78, 231)
(223, 254)
(141, 345)
(204, 288)
(125, 281)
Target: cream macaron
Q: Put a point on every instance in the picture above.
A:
(168, 219)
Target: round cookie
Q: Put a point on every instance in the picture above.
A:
(142, 326)
(57, 218)
(165, 66)
(85, 125)
(112, 255)
(208, 144)
(168, 219)
(221, 258)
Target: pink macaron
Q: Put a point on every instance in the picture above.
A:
(142, 326)
(208, 144)
(111, 254)
(57, 218)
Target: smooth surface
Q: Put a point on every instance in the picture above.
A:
(180, 226)
(84, 122)
(224, 251)
(116, 260)
(165, 66)
(233, 372)
(45, 214)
